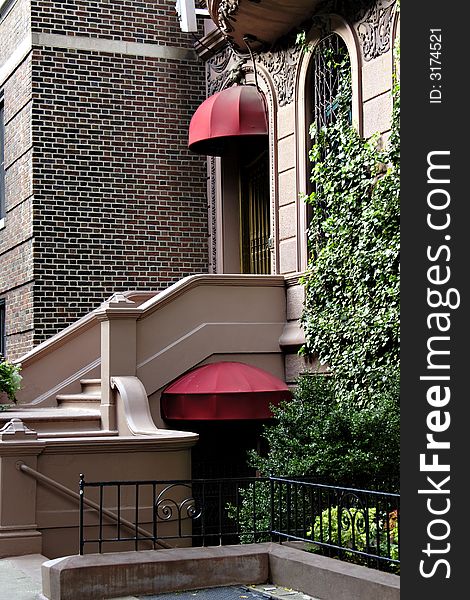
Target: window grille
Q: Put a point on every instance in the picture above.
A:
(255, 216)
(326, 72)
(329, 63)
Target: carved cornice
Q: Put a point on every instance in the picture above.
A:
(371, 19)
(225, 69)
(224, 13)
(374, 26)
(281, 64)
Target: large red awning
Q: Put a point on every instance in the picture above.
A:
(223, 391)
(226, 119)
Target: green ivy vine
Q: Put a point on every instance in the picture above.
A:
(351, 311)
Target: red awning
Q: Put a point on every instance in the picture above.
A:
(228, 118)
(223, 391)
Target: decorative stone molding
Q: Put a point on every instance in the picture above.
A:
(374, 28)
(226, 12)
(225, 69)
(213, 216)
(118, 299)
(16, 430)
(281, 64)
(219, 62)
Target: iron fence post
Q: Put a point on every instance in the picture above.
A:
(81, 487)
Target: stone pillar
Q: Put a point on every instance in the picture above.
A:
(118, 350)
(18, 528)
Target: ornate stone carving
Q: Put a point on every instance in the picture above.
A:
(225, 13)
(226, 74)
(374, 28)
(219, 62)
(213, 218)
(281, 64)
(15, 430)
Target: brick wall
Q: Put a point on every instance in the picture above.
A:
(16, 246)
(120, 203)
(14, 28)
(149, 21)
(101, 138)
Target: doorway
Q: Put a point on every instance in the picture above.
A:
(255, 223)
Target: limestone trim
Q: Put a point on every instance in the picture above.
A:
(167, 440)
(181, 286)
(15, 59)
(2, 2)
(333, 24)
(293, 279)
(91, 44)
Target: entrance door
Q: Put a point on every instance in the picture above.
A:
(255, 215)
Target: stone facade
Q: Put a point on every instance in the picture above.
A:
(102, 194)
(281, 70)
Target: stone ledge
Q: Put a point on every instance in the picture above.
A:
(158, 571)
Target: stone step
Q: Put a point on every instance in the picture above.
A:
(79, 400)
(91, 386)
(54, 420)
(90, 396)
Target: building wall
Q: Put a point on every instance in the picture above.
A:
(119, 202)
(16, 243)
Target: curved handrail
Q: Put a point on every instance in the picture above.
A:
(135, 406)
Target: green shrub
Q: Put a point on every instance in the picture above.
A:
(352, 534)
(10, 378)
(335, 442)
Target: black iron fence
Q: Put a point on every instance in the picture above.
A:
(359, 525)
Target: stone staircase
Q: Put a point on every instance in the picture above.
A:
(89, 397)
(76, 415)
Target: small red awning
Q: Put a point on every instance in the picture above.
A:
(223, 391)
(227, 118)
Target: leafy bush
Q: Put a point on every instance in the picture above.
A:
(10, 378)
(352, 533)
(253, 514)
(335, 442)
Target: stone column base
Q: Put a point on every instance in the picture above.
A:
(18, 542)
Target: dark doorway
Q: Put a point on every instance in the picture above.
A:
(255, 223)
(222, 447)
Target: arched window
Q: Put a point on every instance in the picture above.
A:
(329, 62)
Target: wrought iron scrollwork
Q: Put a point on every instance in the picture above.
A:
(167, 508)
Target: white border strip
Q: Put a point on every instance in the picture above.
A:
(22, 50)
(91, 44)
